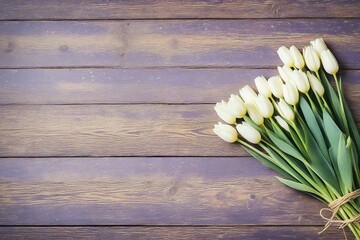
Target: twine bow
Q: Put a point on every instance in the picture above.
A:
(334, 207)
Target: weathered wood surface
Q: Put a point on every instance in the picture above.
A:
(171, 233)
(116, 99)
(157, 9)
(113, 130)
(227, 43)
(138, 191)
(89, 86)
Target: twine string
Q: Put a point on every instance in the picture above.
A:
(334, 207)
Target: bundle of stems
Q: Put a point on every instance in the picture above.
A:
(301, 126)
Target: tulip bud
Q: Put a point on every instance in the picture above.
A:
(275, 84)
(249, 133)
(291, 94)
(254, 114)
(311, 58)
(301, 81)
(285, 73)
(224, 112)
(247, 94)
(329, 62)
(236, 106)
(315, 84)
(319, 45)
(225, 132)
(285, 110)
(298, 58)
(282, 123)
(264, 106)
(285, 56)
(263, 86)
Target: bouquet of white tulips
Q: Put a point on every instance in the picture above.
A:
(299, 125)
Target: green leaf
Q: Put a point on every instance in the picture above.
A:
(289, 164)
(332, 99)
(312, 123)
(352, 153)
(298, 186)
(286, 147)
(268, 163)
(332, 130)
(298, 143)
(345, 166)
(318, 163)
(354, 132)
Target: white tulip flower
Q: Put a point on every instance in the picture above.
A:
(285, 110)
(249, 133)
(311, 58)
(301, 81)
(248, 94)
(236, 106)
(282, 123)
(329, 62)
(262, 86)
(264, 106)
(224, 112)
(298, 58)
(291, 94)
(315, 84)
(285, 56)
(226, 132)
(276, 86)
(319, 45)
(254, 114)
(285, 73)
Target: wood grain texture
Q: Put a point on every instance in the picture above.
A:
(93, 9)
(133, 191)
(113, 130)
(225, 43)
(89, 86)
(171, 233)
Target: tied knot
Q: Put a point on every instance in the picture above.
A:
(334, 207)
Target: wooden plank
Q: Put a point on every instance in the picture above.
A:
(205, 43)
(72, 9)
(170, 233)
(142, 191)
(84, 86)
(113, 130)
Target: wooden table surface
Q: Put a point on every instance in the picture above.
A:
(106, 116)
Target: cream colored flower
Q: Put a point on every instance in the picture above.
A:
(226, 132)
(249, 133)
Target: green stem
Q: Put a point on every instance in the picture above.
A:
(313, 106)
(343, 115)
(254, 149)
(321, 104)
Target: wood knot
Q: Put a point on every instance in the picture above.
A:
(10, 47)
(63, 48)
(173, 190)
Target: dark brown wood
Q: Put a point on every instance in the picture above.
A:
(192, 43)
(171, 233)
(84, 86)
(113, 130)
(72, 9)
(128, 191)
